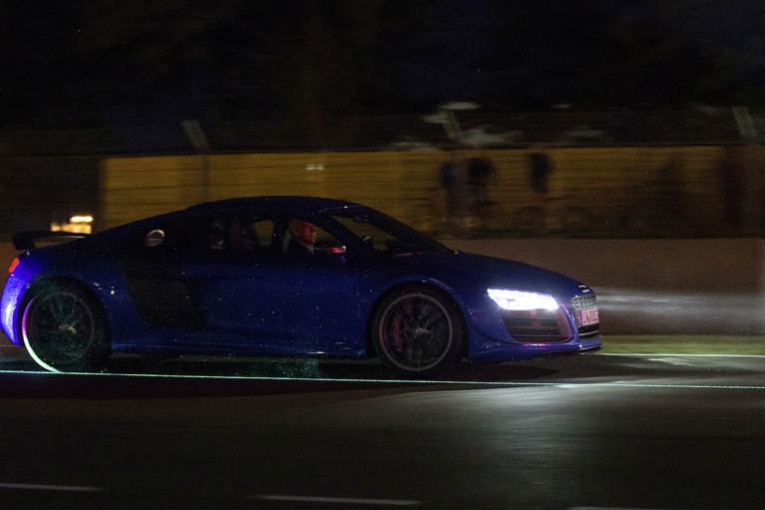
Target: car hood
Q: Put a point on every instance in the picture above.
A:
(463, 270)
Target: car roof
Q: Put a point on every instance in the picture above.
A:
(302, 204)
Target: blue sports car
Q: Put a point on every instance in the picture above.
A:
(284, 276)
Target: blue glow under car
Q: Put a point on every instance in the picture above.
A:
(285, 276)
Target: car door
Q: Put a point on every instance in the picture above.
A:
(151, 264)
(256, 298)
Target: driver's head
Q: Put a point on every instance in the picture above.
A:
(303, 231)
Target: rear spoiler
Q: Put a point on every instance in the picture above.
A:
(24, 241)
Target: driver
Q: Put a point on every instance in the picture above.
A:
(302, 236)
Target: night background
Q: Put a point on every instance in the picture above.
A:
(618, 142)
(95, 63)
(86, 81)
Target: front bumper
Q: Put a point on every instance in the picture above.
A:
(501, 335)
(494, 351)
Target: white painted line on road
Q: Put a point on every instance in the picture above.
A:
(676, 355)
(45, 487)
(610, 508)
(413, 382)
(670, 360)
(339, 501)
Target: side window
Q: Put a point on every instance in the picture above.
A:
(249, 233)
(216, 234)
(233, 233)
(379, 239)
(301, 237)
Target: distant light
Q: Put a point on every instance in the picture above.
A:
(77, 224)
(459, 106)
(312, 167)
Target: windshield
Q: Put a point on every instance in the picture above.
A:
(385, 234)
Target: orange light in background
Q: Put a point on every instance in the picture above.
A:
(78, 224)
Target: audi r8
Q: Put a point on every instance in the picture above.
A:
(222, 278)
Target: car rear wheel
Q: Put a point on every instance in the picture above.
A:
(418, 331)
(64, 329)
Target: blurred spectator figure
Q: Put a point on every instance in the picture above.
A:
(481, 172)
(664, 200)
(448, 177)
(465, 182)
(540, 169)
(535, 218)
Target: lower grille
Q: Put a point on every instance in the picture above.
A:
(587, 332)
(537, 325)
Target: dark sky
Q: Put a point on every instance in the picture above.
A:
(464, 31)
(88, 62)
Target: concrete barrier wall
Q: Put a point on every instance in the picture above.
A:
(691, 191)
(717, 269)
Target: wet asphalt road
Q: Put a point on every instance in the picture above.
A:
(593, 431)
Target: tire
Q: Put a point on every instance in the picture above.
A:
(418, 331)
(64, 329)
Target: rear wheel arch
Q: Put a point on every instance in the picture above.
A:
(66, 281)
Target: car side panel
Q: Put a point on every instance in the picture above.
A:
(275, 306)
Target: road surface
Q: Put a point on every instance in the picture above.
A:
(593, 431)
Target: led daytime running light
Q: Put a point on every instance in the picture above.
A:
(520, 300)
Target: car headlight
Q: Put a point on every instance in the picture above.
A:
(521, 300)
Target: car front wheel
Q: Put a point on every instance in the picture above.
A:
(418, 331)
(63, 329)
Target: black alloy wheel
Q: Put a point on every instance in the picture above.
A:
(417, 330)
(64, 329)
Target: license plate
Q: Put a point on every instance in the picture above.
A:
(588, 316)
